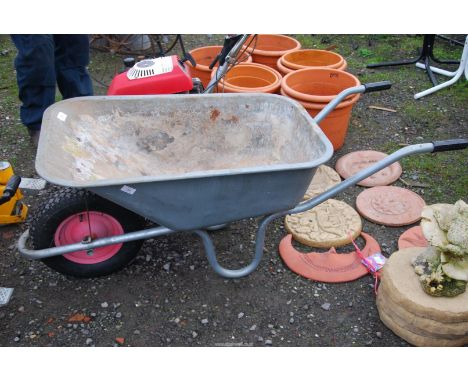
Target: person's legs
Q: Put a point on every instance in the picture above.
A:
(35, 74)
(71, 59)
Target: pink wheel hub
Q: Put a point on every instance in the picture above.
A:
(75, 229)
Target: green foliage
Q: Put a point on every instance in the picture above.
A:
(364, 52)
(13, 135)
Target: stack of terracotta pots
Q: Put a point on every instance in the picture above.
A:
(262, 75)
(312, 77)
(314, 88)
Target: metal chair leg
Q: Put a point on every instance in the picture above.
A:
(463, 68)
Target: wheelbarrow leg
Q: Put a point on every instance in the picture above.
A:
(242, 272)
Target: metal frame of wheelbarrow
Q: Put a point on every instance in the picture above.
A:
(260, 237)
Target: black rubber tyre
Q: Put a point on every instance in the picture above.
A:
(68, 201)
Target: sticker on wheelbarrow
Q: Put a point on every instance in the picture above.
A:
(128, 190)
(62, 116)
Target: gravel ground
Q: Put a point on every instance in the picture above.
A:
(171, 297)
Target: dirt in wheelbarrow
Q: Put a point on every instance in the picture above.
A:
(171, 297)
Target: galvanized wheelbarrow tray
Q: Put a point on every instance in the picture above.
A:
(189, 162)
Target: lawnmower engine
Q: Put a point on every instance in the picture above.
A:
(164, 75)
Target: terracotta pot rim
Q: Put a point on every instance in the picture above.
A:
(344, 66)
(285, 70)
(275, 53)
(202, 48)
(310, 97)
(319, 105)
(269, 88)
(293, 65)
(236, 89)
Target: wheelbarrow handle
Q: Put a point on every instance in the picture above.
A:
(449, 145)
(366, 88)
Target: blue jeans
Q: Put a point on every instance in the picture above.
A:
(44, 61)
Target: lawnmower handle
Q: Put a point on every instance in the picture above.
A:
(377, 86)
(449, 145)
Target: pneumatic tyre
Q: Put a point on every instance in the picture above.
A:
(68, 216)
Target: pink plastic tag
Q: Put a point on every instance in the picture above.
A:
(374, 262)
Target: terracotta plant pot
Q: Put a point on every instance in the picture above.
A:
(285, 70)
(250, 78)
(315, 58)
(270, 47)
(204, 56)
(335, 125)
(316, 84)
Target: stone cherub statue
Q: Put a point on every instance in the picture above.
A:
(443, 266)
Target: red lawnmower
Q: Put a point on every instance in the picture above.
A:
(170, 75)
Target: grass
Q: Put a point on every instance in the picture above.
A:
(375, 48)
(309, 41)
(443, 173)
(432, 169)
(13, 135)
(364, 52)
(102, 67)
(415, 113)
(458, 91)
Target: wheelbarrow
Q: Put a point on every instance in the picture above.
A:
(183, 162)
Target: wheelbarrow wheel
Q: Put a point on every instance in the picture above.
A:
(68, 217)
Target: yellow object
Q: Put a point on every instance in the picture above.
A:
(6, 172)
(13, 211)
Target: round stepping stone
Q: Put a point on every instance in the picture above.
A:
(324, 178)
(330, 266)
(329, 224)
(412, 237)
(390, 206)
(352, 163)
(412, 314)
